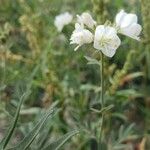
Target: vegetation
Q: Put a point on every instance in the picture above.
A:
(50, 94)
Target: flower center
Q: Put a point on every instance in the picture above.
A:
(104, 41)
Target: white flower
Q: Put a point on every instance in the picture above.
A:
(81, 36)
(62, 20)
(106, 40)
(127, 24)
(86, 19)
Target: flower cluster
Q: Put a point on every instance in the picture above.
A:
(105, 37)
(81, 36)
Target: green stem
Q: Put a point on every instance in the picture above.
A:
(101, 97)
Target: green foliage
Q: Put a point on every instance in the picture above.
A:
(58, 143)
(36, 61)
(9, 133)
(27, 141)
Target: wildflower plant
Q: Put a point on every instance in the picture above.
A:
(40, 70)
(105, 40)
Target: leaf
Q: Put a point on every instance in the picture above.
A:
(129, 130)
(91, 61)
(123, 135)
(120, 116)
(125, 93)
(61, 141)
(26, 142)
(43, 137)
(88, 87)
(103, 110)
(131, 76)
(10, 131)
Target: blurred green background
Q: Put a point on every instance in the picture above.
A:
(33, 54)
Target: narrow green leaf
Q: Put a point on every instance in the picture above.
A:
(43, 137)
(91, 61)
(129, 129)
(10, 131)
(88, 87)
(61, 141)
(26, 142)
(120, 116)
(103, 110)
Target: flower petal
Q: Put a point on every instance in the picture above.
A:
(119, 17)
(110, 31)
(133, 31)
(110, 49)
(86, 19)
(62, 20)
(128, 20)
(100, 30)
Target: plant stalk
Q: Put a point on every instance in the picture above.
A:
(101, 96)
